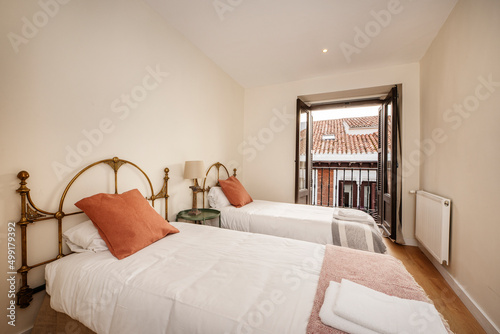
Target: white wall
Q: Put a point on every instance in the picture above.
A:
(63, 80)
(269, 146)
(456, 101)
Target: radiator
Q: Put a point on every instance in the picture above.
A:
(432, 224)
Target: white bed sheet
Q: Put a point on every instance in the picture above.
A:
(201, 280)
(281, 219)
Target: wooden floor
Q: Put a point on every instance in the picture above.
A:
(446, 301)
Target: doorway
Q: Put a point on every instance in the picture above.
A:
(349, 158)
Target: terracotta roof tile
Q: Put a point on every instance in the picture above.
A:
(345, 143)
(362, 122)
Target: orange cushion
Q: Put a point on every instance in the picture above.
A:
(126, 222)
(235, 192)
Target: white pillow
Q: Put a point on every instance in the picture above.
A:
(84, 237)
(217, 199)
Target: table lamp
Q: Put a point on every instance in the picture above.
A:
(194, 170)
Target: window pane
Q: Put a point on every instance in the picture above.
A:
(303, 151)
(389, 148)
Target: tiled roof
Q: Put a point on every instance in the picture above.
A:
(345, 143)
(362, 122)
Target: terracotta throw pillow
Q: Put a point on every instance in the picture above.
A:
(126, 222)
(235, 192)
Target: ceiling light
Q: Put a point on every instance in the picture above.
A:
(325, 50)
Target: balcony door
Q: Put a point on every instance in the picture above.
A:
(303, 163)
(388, 163)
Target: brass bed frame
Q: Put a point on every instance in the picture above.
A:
(30, 214)
(217, 167)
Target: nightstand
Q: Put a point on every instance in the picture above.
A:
(206, 214)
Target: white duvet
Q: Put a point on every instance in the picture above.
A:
(201, 280)
(296, 221)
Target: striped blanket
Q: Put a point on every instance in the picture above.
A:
(363, 235)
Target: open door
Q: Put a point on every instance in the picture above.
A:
(388, 163)
(303, 156)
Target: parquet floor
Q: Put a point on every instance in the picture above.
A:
(459, 318)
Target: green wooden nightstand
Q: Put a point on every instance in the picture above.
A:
(206, 214)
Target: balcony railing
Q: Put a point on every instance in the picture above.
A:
(351, 187)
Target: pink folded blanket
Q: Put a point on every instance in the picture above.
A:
(380, 272)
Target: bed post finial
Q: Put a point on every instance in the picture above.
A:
(23, 176)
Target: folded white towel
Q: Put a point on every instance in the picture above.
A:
(352, 215)
(329, 318)
(385, 314)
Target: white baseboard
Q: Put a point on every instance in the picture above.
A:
(471, 305)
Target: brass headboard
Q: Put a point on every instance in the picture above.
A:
(30, 213)
(217, 166)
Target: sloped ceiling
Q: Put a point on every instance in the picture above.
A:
(264, 42)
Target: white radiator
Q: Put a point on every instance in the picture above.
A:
(432, 224)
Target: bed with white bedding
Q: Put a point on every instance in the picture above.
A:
(301, 222)
(201, 280)
(325, 225)
(304, 222)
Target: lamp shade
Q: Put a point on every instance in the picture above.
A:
(194, 170)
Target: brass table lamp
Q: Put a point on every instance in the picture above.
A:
(194, 170)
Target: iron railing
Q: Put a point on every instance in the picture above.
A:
(352, 187)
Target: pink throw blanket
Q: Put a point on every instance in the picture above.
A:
(379, 272)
